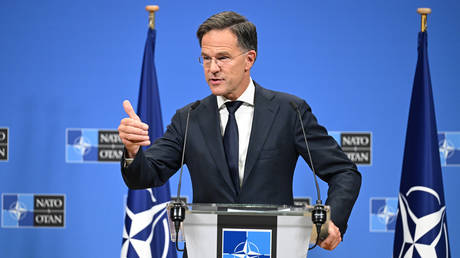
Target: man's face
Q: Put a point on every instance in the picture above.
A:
(229, 76)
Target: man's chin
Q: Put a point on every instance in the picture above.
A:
(216, 90)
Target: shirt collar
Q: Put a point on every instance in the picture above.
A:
(247, 97)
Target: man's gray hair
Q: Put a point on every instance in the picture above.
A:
(244, 30)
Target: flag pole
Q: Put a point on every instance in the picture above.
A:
(424, 12)
(152, 9)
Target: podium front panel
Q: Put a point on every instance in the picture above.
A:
(200, 235)
(293, 236)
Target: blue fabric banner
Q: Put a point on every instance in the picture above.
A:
(146, 231)
(421, 226)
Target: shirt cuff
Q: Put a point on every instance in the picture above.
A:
(127, 162)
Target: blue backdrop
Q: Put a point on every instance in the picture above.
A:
(69, 65)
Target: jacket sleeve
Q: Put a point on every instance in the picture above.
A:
(331, 164)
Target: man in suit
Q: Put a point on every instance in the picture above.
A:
(243, 140)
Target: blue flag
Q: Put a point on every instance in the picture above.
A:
(421, 225)
(146, 232)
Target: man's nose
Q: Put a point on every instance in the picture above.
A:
(213, 66)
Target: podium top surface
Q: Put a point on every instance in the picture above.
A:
(250, 209)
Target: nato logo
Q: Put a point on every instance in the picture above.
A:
(32, 210)
(356, 145)
(247, 243)
(424, 230)
(449, 148)
(93, 145)
(145, 222)
(3, 144)
(383, 213)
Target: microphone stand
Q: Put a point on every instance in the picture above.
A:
(318, 215)
(177, 213)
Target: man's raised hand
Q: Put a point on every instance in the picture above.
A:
(133, 132)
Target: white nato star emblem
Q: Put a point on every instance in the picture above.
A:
(246, 250)
(423, 225)
(446, 148)
(386, 214)
(17, 211)
(140, 221)
(82, 145)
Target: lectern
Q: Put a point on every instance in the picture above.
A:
(247, 230)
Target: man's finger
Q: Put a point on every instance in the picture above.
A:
(144, 143)
(139, 143)
(326, 243)
(331, 242)
(133, 129)
(129, 110)
(134, 123)
(134, 138)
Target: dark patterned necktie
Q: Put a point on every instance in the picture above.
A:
(231, 145)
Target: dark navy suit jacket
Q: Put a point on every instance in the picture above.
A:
(275, 144)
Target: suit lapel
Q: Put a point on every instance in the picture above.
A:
(209, 120)
(265, 111)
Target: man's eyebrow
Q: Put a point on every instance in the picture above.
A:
(221, 53)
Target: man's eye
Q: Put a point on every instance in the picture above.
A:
(206, 58)
(223, 58)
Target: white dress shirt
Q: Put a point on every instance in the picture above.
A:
(243, 116)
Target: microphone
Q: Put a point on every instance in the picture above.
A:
(177, 212)
(318, 215)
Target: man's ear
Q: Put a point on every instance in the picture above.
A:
(250, 59)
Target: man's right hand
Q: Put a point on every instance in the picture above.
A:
(133, 132)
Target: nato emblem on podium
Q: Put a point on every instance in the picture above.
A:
(246, 236)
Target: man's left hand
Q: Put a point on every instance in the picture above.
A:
(333, 239)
